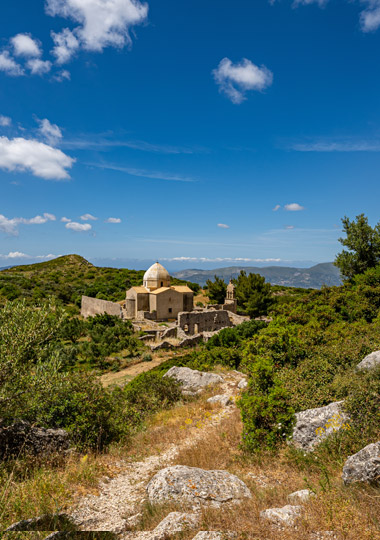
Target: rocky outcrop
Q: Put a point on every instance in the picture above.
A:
(364, 466)
(223, 399)
(302, 495)
(370, 361)
(286, 515)
(197, 486)
(242, 384)
(214, 535)
(191, 380)
(314, 425)
(176, 522)
(23, 438)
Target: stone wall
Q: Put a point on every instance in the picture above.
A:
(95, 306)
(204, 321)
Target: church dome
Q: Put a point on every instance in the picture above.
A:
(156, 276)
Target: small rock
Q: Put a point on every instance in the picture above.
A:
(282, 516)
(214, 535)
(223, 399)
(242, 384)
(132, 521)
(370, 361)
(176, 522)
(302, 495)
(314, 425)
(323, 535)
(193, 380)
(196, 486)
(364, 466)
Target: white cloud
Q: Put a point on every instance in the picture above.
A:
(321, 3)
(10, 226)
(63, 75)
(5, 121)
(66, 45)
(370, 17)
(338, 145)
(78, 227)
(40, 159)
(223, 226)
(9, 66)
(220, 259)
(39, 67)
(51, 132)
(20, 255)
(289, 227)
(65, 220)
(88, 217)
(155, 175)
(25, 45)
(293, 207)
(235, 80)
(113, 220)
(102, 23)
(277, 207)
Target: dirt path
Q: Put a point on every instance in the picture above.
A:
(122, 496)
(125, 375)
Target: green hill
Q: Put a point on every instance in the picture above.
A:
(68, 278)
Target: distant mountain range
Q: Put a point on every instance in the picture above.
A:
(313, 278)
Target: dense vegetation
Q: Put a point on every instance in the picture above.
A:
(67, 278)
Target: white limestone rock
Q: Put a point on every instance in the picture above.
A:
(193, 380)
(223, 399)
(214, 535)
(314, 425)
(197, 486)
(370, 361)
(242, 384)
(302, 495)
(286, 515)
(364, 466)
(176, 522)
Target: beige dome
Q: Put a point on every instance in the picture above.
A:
(156, 276)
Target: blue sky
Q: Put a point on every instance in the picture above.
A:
(202, 133)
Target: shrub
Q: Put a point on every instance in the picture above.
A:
(267, 415)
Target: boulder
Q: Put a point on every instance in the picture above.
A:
(302, 495)
(223, 399)
(370, 361)
(282, 516)
(193, 380)
(197, 486)
(314, 425)
(364, 466)
(174, 523)
(23, 438)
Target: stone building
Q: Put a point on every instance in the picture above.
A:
(230, 302)
(156, 298)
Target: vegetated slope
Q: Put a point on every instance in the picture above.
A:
(68, 278)
(314, 277)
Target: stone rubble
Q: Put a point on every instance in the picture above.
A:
(224, 399)
(193, 380)
(286, 515)
(364, 466)
(303, 495)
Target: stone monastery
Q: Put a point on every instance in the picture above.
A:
(157, 299)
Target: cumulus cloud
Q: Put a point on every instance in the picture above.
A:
(51, 132)
(65, 220)
(25, 45)
(66, 45)
(102, 23)
(78, 227)
(234, 80)
(39, 67)
(113, 220)
(63, 75)
(10, 226)
(29, 155)
(277, 207)
(223, 226)
(88, 217)
(293, 207)
(5, 121)
(370, 17)
(20, 255)
(9, 66)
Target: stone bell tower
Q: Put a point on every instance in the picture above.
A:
(231, 302)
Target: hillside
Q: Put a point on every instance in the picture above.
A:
(68, 278)
(314, 277)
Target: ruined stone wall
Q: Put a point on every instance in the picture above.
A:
(95, 306)
(204, 321)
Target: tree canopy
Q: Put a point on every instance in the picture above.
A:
(217, 290)
(253, 294)
(363, 243)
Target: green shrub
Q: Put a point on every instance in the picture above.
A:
(267, 415)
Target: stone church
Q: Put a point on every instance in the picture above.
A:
(157, 299)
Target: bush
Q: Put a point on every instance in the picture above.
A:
(267, 415)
